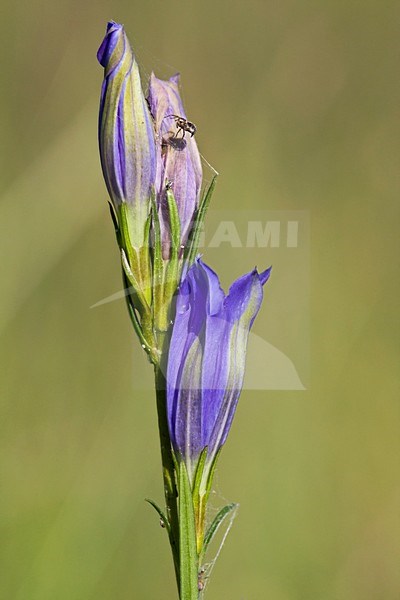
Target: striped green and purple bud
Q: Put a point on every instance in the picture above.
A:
(126, 133)
(178, 159)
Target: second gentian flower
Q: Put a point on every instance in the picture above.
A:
(207, 359)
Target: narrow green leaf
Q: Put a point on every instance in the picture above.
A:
(158, 265)
(125, 239)
(160, 513)
(193, 245)
(157, 252)
(211, 473)
(188, 558)
(174, 221)
(144, 262)
(144, 307)
(199, 473)
(199, 500)
(217, 522)
(173, 265)
(147, 347)
(175, 460)
(115, 221)
(147, 229)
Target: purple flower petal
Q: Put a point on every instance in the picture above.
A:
(206, 360)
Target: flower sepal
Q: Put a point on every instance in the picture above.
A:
(218, 520)
(163, 518)
(192, 247)
(138, 259)
(136, 288)
(167, 272)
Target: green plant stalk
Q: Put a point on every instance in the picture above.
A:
(179, 504)
(188, 556)
(168, 467)
(185, 508)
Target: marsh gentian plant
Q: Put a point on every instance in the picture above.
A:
(194, 335)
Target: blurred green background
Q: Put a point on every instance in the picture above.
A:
(296, 104)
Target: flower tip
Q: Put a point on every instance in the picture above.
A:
(109, 42)
(113, 25)
(199, 260)
(175, 78)
(265, 275)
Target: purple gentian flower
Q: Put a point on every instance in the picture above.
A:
(126, 132)
(206, 359)
(178, 159)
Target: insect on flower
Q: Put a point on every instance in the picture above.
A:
(183, 125)
(201, 579)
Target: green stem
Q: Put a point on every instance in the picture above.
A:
(189, 560)
(170, 488)
(179, 508)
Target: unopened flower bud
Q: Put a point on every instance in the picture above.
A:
(126, 133)
(178, 159)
